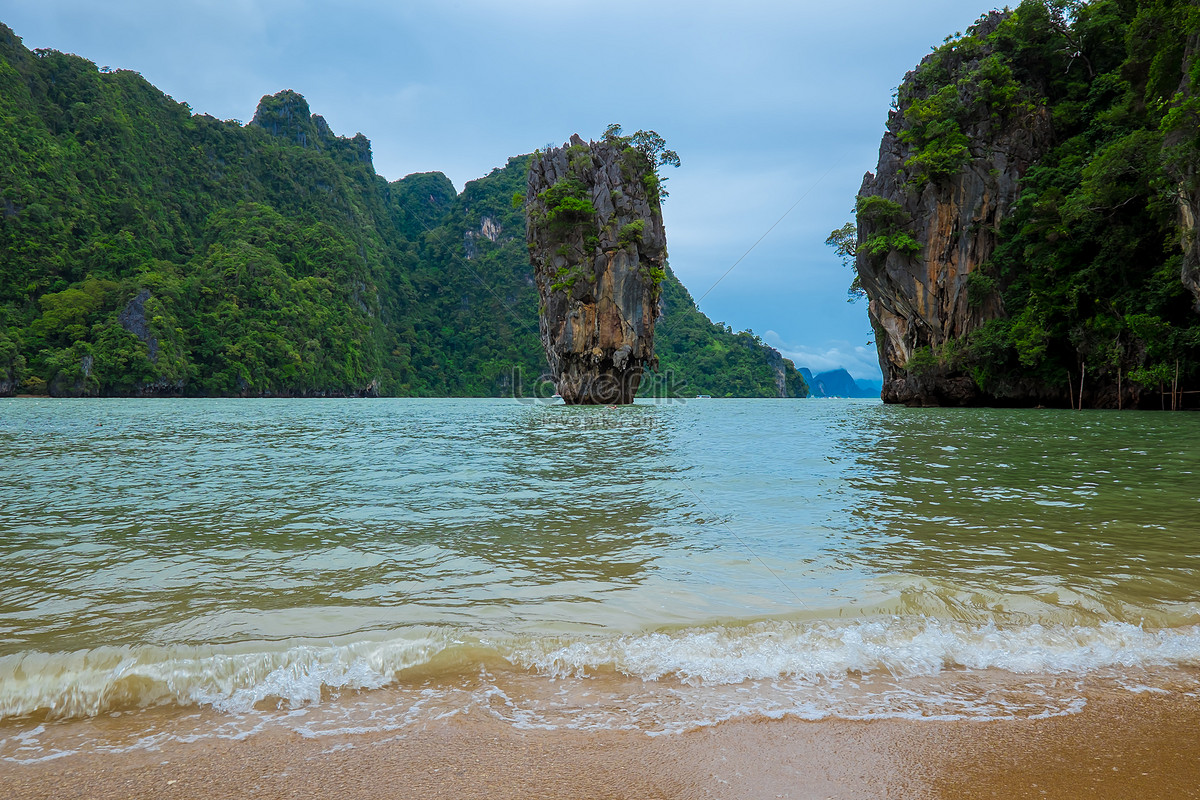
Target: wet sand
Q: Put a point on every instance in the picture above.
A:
(1120, 746)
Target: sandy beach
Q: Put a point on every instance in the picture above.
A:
(1122, 745)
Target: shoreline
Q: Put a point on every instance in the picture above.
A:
(1121, 745)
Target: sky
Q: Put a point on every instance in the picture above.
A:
(776, 109)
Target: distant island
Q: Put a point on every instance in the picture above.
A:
(149, 251)
(839, 383)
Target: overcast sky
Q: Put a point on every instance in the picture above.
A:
(770, 105)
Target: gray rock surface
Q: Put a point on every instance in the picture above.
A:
(921, 300)
(1184, 167)
(133, 319)
(597, 276)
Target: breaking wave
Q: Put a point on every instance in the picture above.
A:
(795, 657)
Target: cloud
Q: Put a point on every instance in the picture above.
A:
(860, 360)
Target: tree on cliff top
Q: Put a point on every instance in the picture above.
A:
(844, 242)
(652, 147)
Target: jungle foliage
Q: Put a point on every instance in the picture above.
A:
(1089, 261)
(145, 249)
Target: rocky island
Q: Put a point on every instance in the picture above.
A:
(599, 253)
(1028, 236)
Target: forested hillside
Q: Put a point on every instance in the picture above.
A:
(1030, 233)
(147, 250)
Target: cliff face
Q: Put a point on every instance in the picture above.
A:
(1180, 147)
(921, 298)
(1020, 241)
(598, 249)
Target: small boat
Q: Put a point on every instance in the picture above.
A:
(704, 397)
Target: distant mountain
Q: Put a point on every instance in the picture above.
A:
(872, 388)
(838, 383)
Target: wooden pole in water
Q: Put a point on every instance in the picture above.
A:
(1120, 399)
(1070, 390)
(1082, 375)
(1175, 389)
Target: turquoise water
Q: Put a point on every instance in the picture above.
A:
(811, 557)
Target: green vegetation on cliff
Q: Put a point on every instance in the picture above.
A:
(1085, 279)
(701, 357)
(1090, 261)
(148, 250)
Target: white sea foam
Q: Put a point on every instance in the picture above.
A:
(232, 679)
(898, 646)
(803, 666)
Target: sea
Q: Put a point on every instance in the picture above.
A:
(216, 568)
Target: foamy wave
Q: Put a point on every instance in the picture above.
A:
(90, 682)
(897, 646)
(796, 654)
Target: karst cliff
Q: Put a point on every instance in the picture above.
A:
(598, 249)
(1181, 146)
(1028, 236)
(919, 294)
